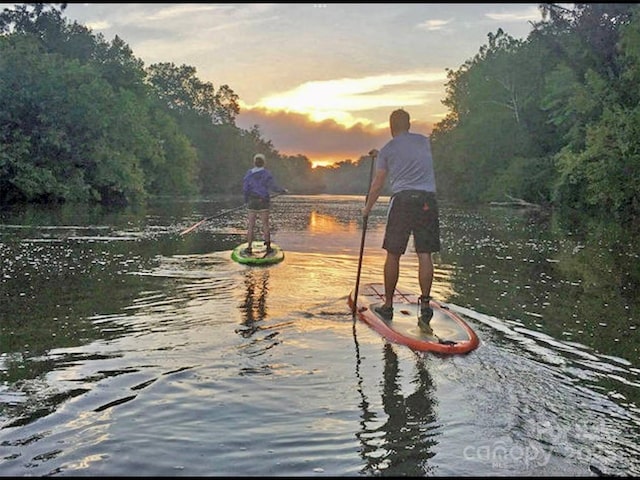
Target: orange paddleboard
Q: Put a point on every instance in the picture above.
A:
(448, 332)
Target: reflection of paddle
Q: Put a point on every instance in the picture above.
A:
(364, 231)
(196, 225)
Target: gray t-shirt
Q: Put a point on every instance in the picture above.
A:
(408, 162)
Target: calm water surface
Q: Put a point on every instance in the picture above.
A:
(126, 349)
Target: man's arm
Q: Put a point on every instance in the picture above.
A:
(374, 191)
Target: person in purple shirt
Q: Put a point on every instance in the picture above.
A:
(407, 162)
(257, 185)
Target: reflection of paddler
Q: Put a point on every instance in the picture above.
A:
(407, 437)
(254, 306)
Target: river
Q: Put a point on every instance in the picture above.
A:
(127, 349)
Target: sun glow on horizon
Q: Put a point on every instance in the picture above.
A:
(347, 101)
(341, 120)
(334, 159)
(324, 163)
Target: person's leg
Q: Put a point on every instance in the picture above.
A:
(266, 230)
(251, 223)
(425, 273)
(425, 278)
(426, 238)
(395, 241)
(391, 275)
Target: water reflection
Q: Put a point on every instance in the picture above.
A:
(403, 444)
(261, 336)
(254, 306)
(322, 223)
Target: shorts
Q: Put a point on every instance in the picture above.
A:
(412, 212)
(258, 204)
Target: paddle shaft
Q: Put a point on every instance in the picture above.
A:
(362, 240)
(196, 225)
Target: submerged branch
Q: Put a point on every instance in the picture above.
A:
(515, 202)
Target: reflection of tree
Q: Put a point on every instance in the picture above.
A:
(254, 307)
(402, 445)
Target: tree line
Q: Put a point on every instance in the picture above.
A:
(552, 119)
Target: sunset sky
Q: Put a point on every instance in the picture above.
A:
(319, 79)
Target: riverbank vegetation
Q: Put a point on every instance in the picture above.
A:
(551, 120)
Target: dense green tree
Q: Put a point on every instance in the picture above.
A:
(603, 175)
(297, 172)
(207, 117)
(491, 98)
(349, 177)
(182, 91)
(549, 119)
(591, 101)
(79, 124)
(54, 126)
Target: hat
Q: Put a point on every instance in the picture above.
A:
(257, 156)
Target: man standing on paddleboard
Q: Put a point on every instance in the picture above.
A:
(407, 162)
(257, 185)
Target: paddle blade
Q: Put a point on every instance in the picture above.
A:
(193, 227)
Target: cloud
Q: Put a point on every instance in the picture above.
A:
(432, 25)
(327, 141)
(341, 119)
(180, 10)
(531, 14)
(322, 142)
(345, 100)
(98, 25)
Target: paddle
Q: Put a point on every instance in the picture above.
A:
(364, 232)
(196, 225)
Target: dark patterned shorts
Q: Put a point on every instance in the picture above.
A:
(413, 212)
